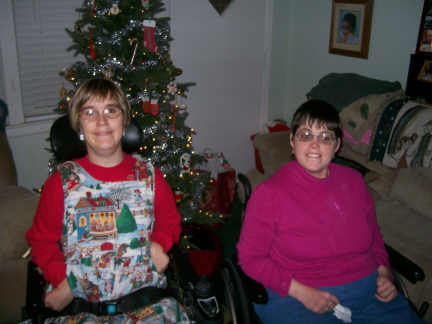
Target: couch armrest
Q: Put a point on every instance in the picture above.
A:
(404, 266)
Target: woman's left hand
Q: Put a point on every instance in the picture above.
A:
(386, 290)
(159, 257)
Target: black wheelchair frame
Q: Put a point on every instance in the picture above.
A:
(67, 146)
(401, 267)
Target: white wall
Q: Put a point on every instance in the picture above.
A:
(395, 25)
(31, 157)
(224, 55)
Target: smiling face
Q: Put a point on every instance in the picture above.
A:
(314, 155)
(101, 122)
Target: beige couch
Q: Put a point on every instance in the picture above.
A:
(17, 208)
(402, 198)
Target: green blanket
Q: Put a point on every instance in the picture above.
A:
(342, 89)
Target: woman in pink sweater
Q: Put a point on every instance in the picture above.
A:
(310, 236)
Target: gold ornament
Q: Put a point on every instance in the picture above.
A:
(63, 92)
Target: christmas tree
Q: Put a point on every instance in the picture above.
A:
(128, 41)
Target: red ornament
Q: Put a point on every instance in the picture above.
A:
(93, 8)
(154, 106)
(146, 106)
(178, 196)
(149, 40)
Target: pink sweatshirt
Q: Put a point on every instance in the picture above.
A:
(322, 232)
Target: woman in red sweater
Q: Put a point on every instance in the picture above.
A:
(105, 222)
(310, 236)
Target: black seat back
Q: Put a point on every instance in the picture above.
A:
(66, 144)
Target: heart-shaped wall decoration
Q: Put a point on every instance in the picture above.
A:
(220, 5)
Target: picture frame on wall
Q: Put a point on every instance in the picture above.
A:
(424, 41)
(419, 81)
(425, 74)
(350, 27)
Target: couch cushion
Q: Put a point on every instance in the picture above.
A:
(413, 187)
(17, 209)
(360, 116)
(409, 233)
(274, 150)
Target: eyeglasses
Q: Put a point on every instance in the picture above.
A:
(92, 114)
(306, 135)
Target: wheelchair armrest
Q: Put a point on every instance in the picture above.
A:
(404, 266)
(35, 308)
(255, 290)
(35, 289)
(247, 187)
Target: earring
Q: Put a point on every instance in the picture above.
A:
(81, 137)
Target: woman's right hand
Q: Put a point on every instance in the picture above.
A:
(58, 298)
(316, 300)
(159, 257)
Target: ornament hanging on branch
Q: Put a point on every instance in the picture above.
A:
(149, 39)
(185, 163)
(146, 105)
(178, 195)
(172, 88)
(145, 4)
(63, 92)
(93, 7)
(108, 73)
(115, 10)
(134, 51)
(154, 107)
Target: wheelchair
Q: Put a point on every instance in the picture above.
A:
(255, 293)
(224, 294)
(207, 298)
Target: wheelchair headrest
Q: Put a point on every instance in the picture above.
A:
(66, 144)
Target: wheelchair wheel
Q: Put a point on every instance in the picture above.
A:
(236, 302)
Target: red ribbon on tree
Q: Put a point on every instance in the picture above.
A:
(91, 46)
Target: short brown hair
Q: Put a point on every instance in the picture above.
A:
(98, 88)
(319, 111)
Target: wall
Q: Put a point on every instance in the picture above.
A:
(31, 158)
(395, 25)
(225, 56)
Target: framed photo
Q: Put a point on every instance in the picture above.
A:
(419, 82)
(425, 74)
(350, 27)
(424, 41)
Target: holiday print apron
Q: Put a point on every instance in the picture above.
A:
(106, 242)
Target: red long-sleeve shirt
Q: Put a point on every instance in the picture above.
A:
(45, 232)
